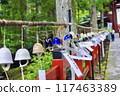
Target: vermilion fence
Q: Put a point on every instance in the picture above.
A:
(59, 66)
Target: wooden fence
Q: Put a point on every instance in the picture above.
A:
(59, 66)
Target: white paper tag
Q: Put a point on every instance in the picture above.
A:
(42, 74)
(84, 44)
(103, 49)
(81, 58)
(76, 51)
(72, 64)
(72, 74)
(89, 48)
(84, 52)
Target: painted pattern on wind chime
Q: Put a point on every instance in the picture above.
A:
(5, 58)
(22, 54)
(38, 49)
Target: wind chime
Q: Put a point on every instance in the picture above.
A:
(38, 49)
(5, 58)
(22, 54)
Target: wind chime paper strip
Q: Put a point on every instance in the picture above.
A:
(81, 58)
(84, 44)
(103, 49)
(73, 64)
(72, 74)
(84, 52)
(89, 48)
(42, 74)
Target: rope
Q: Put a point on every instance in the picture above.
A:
(6, 74)
(37, 35)
(28, 23)
(22, 73)
(22, 29)
(39, 60)
(4, 36)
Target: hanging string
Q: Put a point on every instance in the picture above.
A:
(22, 29)
(39, 60)
(37, 35)
(46, 31)
(6, 74)
(4, 36)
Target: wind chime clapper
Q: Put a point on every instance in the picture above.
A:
(5, 58)
(22, 54)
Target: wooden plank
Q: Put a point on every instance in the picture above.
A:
(85, 72)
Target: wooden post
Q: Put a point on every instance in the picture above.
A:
(63, 65)
(88, 63)
(114, 15)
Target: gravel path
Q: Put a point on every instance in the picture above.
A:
(113, 67)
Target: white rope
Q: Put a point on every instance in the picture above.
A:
(37, 35)
(22, 73)
(4, 36)
(22, 29)
(39, 61)
(6, 74)
(21, 70)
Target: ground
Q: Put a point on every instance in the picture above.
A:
(113, 67)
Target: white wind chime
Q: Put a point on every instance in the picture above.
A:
(22, 54)
(5, 58)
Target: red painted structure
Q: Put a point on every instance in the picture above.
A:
(112, 17)
(59, 66)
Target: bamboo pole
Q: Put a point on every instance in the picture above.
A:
(39, 23)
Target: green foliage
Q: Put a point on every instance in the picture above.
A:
(31, 72)
(83, 6)
(26, 10)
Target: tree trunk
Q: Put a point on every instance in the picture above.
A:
(73, 16)
(102, 20)
(94, 16)
(35, 6)
(23, 7)
(62, 7)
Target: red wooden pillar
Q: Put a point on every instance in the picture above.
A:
(114, 17)
(88, 63)
(97, 53)
(93, 56)
(80, 65)
(63, 64)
